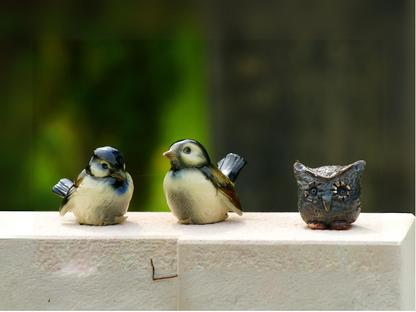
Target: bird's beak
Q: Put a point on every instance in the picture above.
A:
(327, 199)
(169, 155)
(119, 175)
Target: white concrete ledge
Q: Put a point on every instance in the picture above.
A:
(260, 261)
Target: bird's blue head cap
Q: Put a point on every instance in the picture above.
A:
(110, 154)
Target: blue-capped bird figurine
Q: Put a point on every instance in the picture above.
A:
(101, 193)
(196, 190)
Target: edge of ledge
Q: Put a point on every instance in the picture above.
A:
(261, 228)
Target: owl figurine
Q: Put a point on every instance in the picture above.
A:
(329, 196)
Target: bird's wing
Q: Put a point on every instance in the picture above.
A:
(224, 185)
(64, 208)
(80, 177)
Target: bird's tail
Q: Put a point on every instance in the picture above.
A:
(231, 166)
(62, 187)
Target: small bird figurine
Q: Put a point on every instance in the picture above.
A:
(101, 193)
(196, 190)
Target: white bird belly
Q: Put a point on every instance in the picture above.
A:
(190, 196)
(96, 202)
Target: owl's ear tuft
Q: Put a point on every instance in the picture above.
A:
(298, 166)
(359, 165)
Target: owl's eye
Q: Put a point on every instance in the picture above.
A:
(341, 190)
(312, 193)
(187, 150)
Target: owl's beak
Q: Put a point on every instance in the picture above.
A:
(327, 199)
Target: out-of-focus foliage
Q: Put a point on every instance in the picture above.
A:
(105, 80)
(325, 82)
(136, 95)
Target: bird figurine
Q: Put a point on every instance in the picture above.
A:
(329, 196)
(101, 193)
(197, 191)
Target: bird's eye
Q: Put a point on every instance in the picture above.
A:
(105, 166)
(187, 150)
(313, 191)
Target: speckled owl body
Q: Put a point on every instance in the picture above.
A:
(329, 196)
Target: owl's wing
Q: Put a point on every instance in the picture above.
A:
(224, 186)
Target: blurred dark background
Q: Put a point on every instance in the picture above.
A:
(322, 82)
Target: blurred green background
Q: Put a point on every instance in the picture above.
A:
(324, 82)
(136, 95)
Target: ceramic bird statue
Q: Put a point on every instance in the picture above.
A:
(101, 193)
(196, 190)
(329, 196)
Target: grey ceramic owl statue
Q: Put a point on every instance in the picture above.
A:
(329, 196)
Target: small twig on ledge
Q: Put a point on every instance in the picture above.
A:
(159, 278)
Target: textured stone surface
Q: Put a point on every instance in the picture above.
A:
(260, 261)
